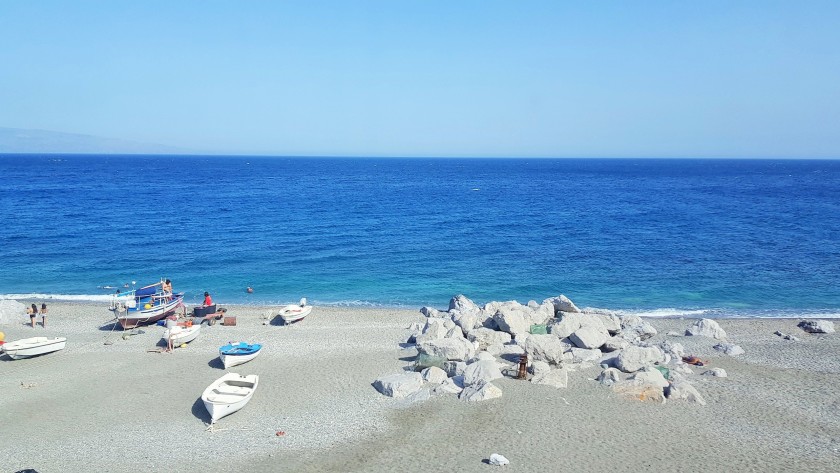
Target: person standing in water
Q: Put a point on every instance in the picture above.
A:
(44, 315)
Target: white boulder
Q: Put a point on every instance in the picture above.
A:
(434, 375)
(486, 337)
(562, 303)
(634, 358)
(706, 328)
(481, 371)
(480, 391)
(684, 390)
(539, 367)
(546, 348)
(650, 376)
(609, 376)
(588, 337)
(513, 318)
(565, 325)
(716, 372)
(462, 303)
(581, 355)
(453, 385)
(498, 460)
(558, 378)
(399, 385)
(729, 349)
(454, 349)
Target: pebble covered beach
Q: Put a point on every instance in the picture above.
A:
(111, 402)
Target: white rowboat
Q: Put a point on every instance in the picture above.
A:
(228, 394)
(239, 353)
(294, 312)
(181, 334)
(29, 347)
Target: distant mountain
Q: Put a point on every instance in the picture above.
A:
(17, 140)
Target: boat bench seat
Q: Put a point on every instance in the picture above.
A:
(228, 394)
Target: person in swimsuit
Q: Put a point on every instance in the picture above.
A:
(44, 315)
(32, 312)
(208, 301)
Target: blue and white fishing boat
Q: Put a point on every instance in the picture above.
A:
(146, 305)
(234, 354)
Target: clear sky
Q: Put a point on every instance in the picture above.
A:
(431, 78)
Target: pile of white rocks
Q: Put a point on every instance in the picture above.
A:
(474, 346)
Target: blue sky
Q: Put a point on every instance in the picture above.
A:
(431, 78)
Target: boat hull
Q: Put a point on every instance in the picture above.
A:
(233, 355)
(141, 316)
(36, 346)
(181, 335)
(294, 313)
(229, 394)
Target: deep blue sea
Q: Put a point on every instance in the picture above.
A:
(655, 236)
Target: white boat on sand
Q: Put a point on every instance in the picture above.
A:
(181, 334)
(234, 354)
(29, 347)
(294, 312)
(228, 394)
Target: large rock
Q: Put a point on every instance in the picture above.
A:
(541, 314)
(642, 392)
(650, 376)
(565, 325)
(539, 367)
(673, 348)
(684, 390)
(486, 337)
(434, 329)
(453, 385)
(454, 368)
(480, 392)
(481, 371)
(562, 303)
(434, 375)
(546, 348)
(433, 313)
(513, 318)
(588, 337)
(611, 322)
(558, 378)
(817, 326)
(453, 349)
(466, 320)
(729, 349)
(706, 328)
(462, 304)
(609, 376)
(716, 372)
(635, 329)
(634, 358)
(399, 385)
(581, 355)
(614, 344)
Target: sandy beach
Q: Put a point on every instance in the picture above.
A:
(109, 402)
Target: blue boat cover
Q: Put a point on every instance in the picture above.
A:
(240, 348)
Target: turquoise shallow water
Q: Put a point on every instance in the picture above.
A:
(713, 237)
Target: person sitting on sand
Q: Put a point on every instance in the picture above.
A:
(208, 301)
(44, 315)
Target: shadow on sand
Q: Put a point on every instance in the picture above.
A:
(200, 412)
(216, 363)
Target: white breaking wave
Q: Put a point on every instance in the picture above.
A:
(666, 312)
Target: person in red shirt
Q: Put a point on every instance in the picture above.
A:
(207, 299)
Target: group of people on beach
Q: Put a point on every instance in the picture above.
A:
(32, 312)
